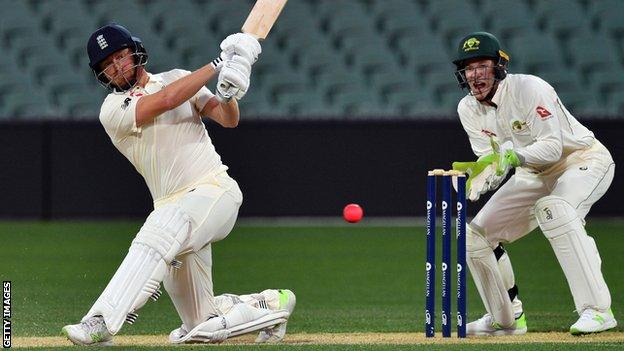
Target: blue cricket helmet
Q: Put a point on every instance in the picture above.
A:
(109, 39)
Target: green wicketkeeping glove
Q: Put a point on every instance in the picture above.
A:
(508, 160)
(474, 168)
(489, 158)
(479, 172)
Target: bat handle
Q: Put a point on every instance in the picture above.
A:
(223, 97)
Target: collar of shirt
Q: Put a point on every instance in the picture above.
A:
(498, 95)
(154, 78)
(154, 83)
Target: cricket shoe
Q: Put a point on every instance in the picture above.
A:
(286, 301)
(177, 334)
(91, 332)
(592, 321)
(485, 326)
(217, 337)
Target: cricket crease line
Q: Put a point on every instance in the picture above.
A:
(346, 339)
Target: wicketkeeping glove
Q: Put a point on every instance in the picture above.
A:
(508, 158)
(481, 175)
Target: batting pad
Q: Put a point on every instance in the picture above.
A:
(506, 270)
(576, 252)
(144, 267)
(488, 278)
(241, 319)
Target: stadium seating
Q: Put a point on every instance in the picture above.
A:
(534, 56)
(616, 104)
(560, 17)
(324, 58)
(395, 22)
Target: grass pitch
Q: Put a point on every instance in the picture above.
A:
(348, 279)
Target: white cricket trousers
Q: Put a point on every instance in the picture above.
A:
(213, 209)
(582, 178)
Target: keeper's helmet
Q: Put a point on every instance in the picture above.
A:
(108, 40)
(480, 45)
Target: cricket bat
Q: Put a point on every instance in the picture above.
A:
(259, 22)
(262, 17)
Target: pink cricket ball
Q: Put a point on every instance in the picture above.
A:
(352, 213)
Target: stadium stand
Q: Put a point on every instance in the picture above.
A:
(561, 18)
(325, 58)
(545, 54)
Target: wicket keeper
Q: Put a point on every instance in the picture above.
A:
(518, 121)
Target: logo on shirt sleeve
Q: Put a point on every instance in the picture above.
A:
(543, 113)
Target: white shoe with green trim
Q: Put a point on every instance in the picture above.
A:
(91, 332)
(276, 334)
(592, 321)
(485, 326)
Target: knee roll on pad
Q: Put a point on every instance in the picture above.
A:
(165, 230)
(476, 242)
(576, 252)
(554, 214)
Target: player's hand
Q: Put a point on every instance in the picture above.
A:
(481, 175)
(492, 160)
(478, 176)
(241, 44)
(508, 158)
(233, 79)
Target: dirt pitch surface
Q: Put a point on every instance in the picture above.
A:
(346, 338)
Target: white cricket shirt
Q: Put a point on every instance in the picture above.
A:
(530, 114)
(171, 153)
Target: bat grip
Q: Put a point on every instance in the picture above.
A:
(223, 97)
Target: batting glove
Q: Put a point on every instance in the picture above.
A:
(241, 44)
(217, 63)
(233, 79)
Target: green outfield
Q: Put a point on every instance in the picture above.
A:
(362, 278)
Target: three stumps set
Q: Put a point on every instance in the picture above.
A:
(430, 266)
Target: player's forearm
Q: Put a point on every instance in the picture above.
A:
(186, 87)
(230, 114)
(226, 114)
(173, 95)
(542, 152)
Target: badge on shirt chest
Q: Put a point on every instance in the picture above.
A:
(126, 103)
(518, 126)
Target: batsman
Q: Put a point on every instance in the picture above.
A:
(518, 121)
(155, 121)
